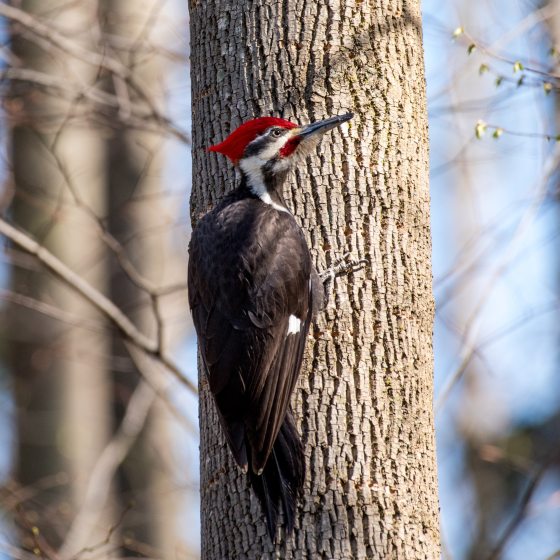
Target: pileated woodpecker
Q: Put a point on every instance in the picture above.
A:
(253, 293)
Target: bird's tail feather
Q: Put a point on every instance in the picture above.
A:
(281, 481)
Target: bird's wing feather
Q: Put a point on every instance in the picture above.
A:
(242, 296)
(274, 399)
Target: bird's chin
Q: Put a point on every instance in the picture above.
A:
(298, 156)
(307, 145)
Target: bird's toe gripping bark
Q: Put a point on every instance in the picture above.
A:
(343, 265)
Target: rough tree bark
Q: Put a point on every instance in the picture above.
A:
(364, 401)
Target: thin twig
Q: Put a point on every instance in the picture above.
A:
(120, 72)
(96, 298)
(52, 311)
(16, 553)
(58, 40)
(149, 374)
(111, 241)
(521, 511)
(104, 470)
(473, 323)
(13, 495)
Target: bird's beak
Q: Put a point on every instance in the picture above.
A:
(320, 127)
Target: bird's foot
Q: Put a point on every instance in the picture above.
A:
(343, 265)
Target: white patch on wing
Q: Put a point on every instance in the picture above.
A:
(294, 325)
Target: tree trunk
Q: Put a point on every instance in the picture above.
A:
(137, 218)
(72, 383)
(364, 400)
(59, 371)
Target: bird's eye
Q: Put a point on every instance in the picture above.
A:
(276, 132)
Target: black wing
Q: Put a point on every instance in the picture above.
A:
(249, 285)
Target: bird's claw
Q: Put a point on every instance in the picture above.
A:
(341, 266)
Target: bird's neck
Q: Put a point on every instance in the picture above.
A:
(265, 186)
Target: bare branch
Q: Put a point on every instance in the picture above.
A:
(161, 385)
(151, 376)
(100, 480)
(16, 553)
(519, 515)
(13, 495)
(473, 323)
(58, 40)
(103, 472)
(110, 241)
(52, 311)
(134, 115)
(96, 298)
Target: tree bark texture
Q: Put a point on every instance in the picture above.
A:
(364, 400)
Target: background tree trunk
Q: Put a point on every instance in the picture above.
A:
(73, 179)
(137, 219)
(60, 373)
(364, 401)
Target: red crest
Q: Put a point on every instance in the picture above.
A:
(234, 145)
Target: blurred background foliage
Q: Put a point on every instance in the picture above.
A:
(98, 436)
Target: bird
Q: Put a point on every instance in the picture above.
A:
(253, 294)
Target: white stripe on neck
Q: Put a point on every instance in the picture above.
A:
(252, 167)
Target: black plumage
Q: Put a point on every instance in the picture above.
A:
(250, 270)
(253, 293)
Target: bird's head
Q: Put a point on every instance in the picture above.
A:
(268, 146)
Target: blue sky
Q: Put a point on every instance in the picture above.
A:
(483, 191)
